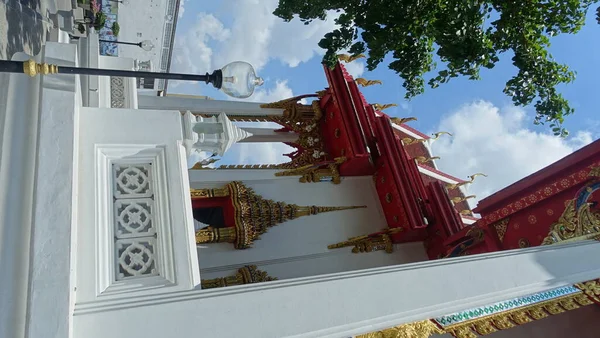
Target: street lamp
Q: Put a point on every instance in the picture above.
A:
(146, 45)
(236, 79)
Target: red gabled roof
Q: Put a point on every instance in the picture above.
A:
(585, 154)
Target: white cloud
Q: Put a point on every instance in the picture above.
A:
(254, 35)
(497, 142)
(192, 53)
(355, 68)
(181, 9)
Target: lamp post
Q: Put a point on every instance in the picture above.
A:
(146, 45)
(236, 79)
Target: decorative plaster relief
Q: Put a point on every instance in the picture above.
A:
(134, 244)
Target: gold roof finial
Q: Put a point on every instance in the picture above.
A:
(381, 107)
(466, 212)
(462, 199)
(365, 83)
(440, 133)
(408, 141)
(423, 159)
(402, 120)
(471, 180)
(349, 58)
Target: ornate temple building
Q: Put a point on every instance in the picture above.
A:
(359, 233)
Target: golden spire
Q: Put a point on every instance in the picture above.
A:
(365, 83)
(381, 107)
(254, 215)
(423, 159)
(349, 58)
(402, 120)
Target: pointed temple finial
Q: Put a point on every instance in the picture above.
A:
(423, 159)
(440, 133)
(365, 83)
(402, 120)
(408, 141)
(349, 58)
(254, 215)
(381, 107)
(462, 199)
(460, 184)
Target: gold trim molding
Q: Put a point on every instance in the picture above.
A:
(499, 321)
(424, 328)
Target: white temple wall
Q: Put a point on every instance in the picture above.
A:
(339, 260)
(309, 235)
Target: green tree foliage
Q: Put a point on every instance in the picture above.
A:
(465, 34)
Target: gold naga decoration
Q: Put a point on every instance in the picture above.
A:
(408, 141)
(382, 107)
(460, 184)
(204, 164)
(574, 224)
(313, 173)
(502, 320)
(423, 159)
(254, 215)
(440, 133)
(462, 199)
(294, 110)
(365, 83)
(369, 243)
(402, 120)
(349, 58)
(248, 274)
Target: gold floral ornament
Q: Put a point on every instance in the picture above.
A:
(32, 68)
(501, 227)
(254, 215)
(365, 83)
(314, 173)
(248, 274)
(369, 243)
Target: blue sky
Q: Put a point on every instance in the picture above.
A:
(490, 135)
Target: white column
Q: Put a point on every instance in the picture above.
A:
(269, 135)
(344, 304)
(196, 105)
